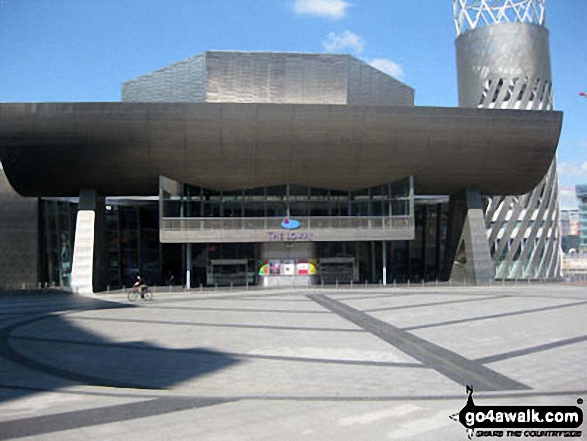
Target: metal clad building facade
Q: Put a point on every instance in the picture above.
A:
(263, 77)
(272, 168)
(503, 59)
(505, 66)
(181, 82)
(19, 257)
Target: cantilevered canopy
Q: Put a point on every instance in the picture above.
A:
(55, 149)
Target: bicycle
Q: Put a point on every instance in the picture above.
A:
(135, 293)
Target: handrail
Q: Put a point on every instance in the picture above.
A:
(275, 223)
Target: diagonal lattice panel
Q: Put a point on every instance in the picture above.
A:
(471, 14)
(505, 64)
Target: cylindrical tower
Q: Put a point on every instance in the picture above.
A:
(503, 62)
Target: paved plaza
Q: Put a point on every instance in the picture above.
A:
(320, 364)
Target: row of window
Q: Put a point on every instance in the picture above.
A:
(386, 200)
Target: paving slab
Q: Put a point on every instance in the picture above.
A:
(346, 364)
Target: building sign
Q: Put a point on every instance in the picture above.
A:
(299, 267)
(306, 267)
(274, 267)
(288, 268)
(290, 224)
(290, 236)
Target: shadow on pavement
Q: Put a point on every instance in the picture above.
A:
(41, 350)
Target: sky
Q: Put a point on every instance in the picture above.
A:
(82, 50)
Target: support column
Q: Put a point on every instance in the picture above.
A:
(89, 269)
(188, 266)
(384, 257)
(373, 268)
(467, 258)
(438, 241)
(424, 242)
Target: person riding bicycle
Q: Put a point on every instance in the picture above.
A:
(141, 286)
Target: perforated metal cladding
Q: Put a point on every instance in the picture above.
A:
(266, 77)
(507, 66)
(515, 93)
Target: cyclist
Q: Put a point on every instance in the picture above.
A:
(141, 286)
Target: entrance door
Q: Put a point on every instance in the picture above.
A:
(226, 272)
(337, 269)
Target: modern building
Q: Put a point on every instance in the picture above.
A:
(570, 222)
(262, 168)
(570, 230)
(292, 169)
(575, 242)
(503, 60)
(581, 193)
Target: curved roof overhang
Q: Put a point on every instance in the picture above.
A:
(54, 149)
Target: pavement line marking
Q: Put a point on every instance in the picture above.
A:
(414, 429)
(426, 305)
(77, 419)
(531, 350)
(494, 316)
(214, 325)
(371, 417)
(204, 353)
(91, 391)
(450, 364)
(9, 353)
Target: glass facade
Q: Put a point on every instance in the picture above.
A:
(57, 234)
(133, 245)
(280, 201)
(132, 242)
(132, 235)
(581, 193)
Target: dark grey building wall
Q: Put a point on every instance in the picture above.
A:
(18, 238)
(123, 148)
